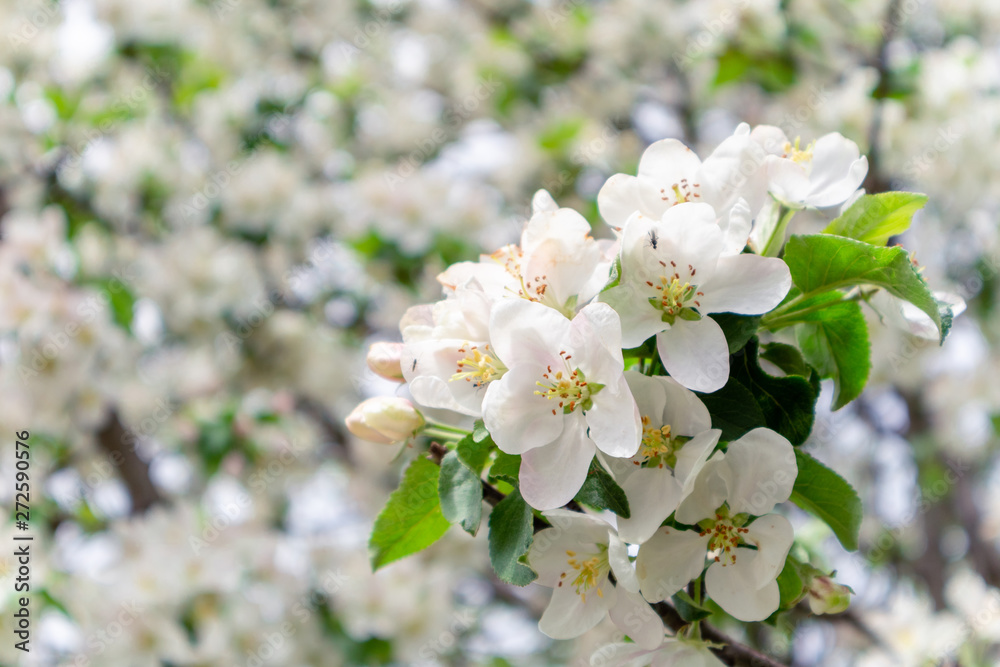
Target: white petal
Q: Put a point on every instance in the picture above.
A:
(518, 419)
(788, 180)
(737, 228)
(596, 332)
(636, 618)
(668, 561)
(551, 475)
(695, 354)
(570, 531)
(746, 284)
(649, 394)
(703, 496)
(652, 494)
(638, 319)
(685, 412)
(837, 170)
(693, 456)
(621, 566)
(569, 615)
(763, 471)
(734, 588)
(522, 331)
(614, 421)
(771, 137)
(543, 201)
(618, 199)
(773, 536)
(664, 164)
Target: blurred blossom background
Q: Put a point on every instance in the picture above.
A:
(209, 209)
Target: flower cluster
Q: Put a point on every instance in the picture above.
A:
(580, 360)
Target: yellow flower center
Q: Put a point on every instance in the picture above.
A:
(657, 446)
(796, 154)
(478, 366)
(590, 571)
(675, 297)
(569, 388)
(682, 192)
(725, 537)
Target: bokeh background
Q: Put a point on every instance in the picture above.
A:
(209, 208)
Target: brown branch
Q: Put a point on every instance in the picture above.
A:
(733, 653)
(877, 182)
(119, 444)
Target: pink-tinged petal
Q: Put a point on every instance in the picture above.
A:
(668, 561)
(773, 536)
(551, 475)
(417, 322)
(685, 413)
(619, 199)
(636, 618)
(570, 614)
(524, 332)
(614, 421)
(639, 320)
(489, 275)
(518, 419)
(763, 471)
(746, 284)
(695, 354)
(734, 588)
(431, 365)
(652, 494)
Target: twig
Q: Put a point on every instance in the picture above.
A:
(113, 438)
(733, 653)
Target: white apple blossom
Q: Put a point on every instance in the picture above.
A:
(676, 443)
(447, 359)
(673, 652)
(575, 558)
(386, 420)
(563, 397)
(755, 473)
(905, 316)
(823, 174)
(731, 180)
(673, 274)
(558, 262)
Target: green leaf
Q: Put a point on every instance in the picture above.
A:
(822, 263)
(733, 409)
(511, 531)
(874, 218)
(461, 493)
(688, 609)
(791, 585)
(474, 450)
(835, 341)
(601, 491)
(787, 358)
(506, 467)
(788, 404)
(411, 520)
(825, 494)
(738, 328)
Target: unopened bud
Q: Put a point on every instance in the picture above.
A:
(385, 420)
(383, 359)
(828, 597)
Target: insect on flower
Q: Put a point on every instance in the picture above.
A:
(653, 239)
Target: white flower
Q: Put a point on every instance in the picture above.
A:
(825, 173)
(755, 473)
(674, 272)
(564, 395)
(557, 264)
(384, 360)
(676, 443)
(905, 316)
(574, 559)
(447, 359)
(385, 420)
(670, 174)
(674, 652)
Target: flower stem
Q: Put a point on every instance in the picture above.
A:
(777, 238)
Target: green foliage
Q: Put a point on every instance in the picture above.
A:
(461, 493)
(875, 218)
(791, 584)
(825, 494)
(788, 404)
(835, 341)
(738, 328)
(511, 531)
(772, 71)
(786, 357)
(733, 409)
(688, 609)
(600, 491)
(411, 520)
(822, 263)
(506, 467)
(474, 449)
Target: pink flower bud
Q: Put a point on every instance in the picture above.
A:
(383, 359)
(828, 597)
(385, 420)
